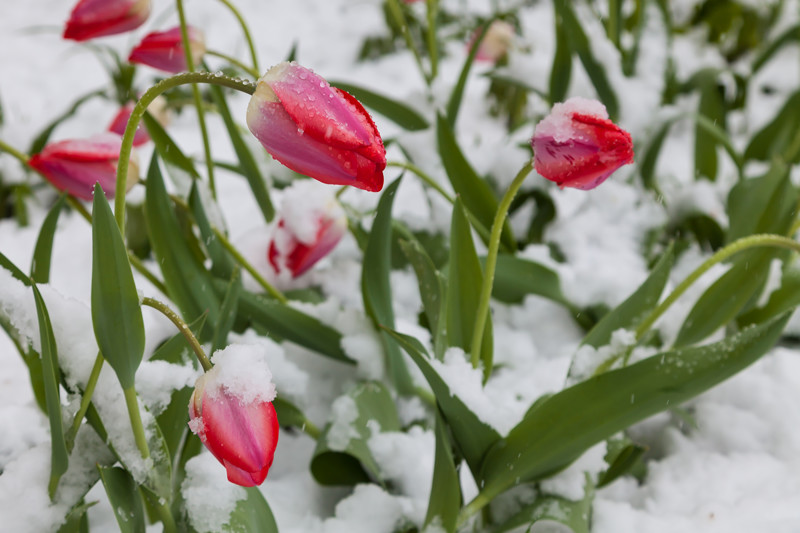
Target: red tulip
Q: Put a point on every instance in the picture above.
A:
(96, 18)
(164, 49)
(241, 432)
(76, 165)
(121, 121)
(316, 129)
(577, 146)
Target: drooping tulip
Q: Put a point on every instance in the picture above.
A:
(231, 411)
(96, 18)
(311, 224)
(164, 49)
(76, 165)
(316, 129)
(495, 43)
(577, 146)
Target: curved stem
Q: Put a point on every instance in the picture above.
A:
(139, 266)
(735, 247)
(86, 399)
(247, 36)
(491, 263)
(23, 158)
(136, 421)
(183, 327)
(275, 293)
(136, 117)
(233, 61)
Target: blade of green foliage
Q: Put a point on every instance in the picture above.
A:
(792, 34)
(464, 282)
(515, 278)
(561, 72)
(286, 322)
(506, 78)
(554, 513)
(188, 283)
(621, 462)
(288, 413)
(339, 463)
(252, 514)
(776, 138)
(784, 298)
(377, 291)
(246, 161)
(179, 166)
(76, 520)
(472, 436)
(177, 349)
(445, 500)
(712, 106)
(454, 103)
(6, 263)
(116, 312)
(580, 44)
(431, 291)
(43, 251)
(41, 140)
(124, 498)
(227, 313)
(59, 458)
(222, 265)
(174, 419)
(478, 197)
(761, 205)
(569, 422)
(398, 112)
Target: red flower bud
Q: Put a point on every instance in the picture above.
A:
(316, 129)
(121, 121)
(96, 18)
(76, 165)
(577, 146)
(164, 49)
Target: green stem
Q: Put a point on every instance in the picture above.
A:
(482, 313)
(735, 247)
(165, 514)
(198, 101)
(183, 327)
(136, 421)
(477, 503)
(139, 266)
(397, 14)
(233, 61)
(433, 52)
(136, 117)
(247, 36)
(275, 293)
(310, 429)
(86, 399)
(23, 158)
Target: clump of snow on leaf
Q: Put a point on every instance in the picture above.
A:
(344, 412)
(209, 498)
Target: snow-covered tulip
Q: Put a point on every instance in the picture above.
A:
(164, 49)
(316, 129)
(311, 224)
(577, 146)
(231, 411)
(76, 165)
(96, 18)
(495, 43)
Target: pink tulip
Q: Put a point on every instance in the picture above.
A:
(316, 129)
(241, 432)
(495, 43)
(96, 18)
(164, 49)
(76, 165)
(121, 121)
(577, 146)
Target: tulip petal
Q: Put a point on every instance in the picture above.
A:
(164, 49)
(97, 18)
(120, 122)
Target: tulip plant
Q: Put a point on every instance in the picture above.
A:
(324, 182)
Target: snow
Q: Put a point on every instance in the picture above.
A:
(210, 499)
(241, 370)
(558, 124)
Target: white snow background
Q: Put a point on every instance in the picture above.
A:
(737, 471)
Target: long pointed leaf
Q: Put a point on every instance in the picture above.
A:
(445, 500)
(125, 500)
(42, 253)
(396, 111)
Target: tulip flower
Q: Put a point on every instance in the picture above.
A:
(311, 224)
(495, 43)
(577, 146)
(121, 121)
(76, 165)
(164, 49)
(316, 129)
(96, 18)
(237, 425)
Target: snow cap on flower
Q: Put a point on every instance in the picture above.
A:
(577, 146)
(315, 129)
(495, 43)
(164, 49)
(232, 414)
(96, 18)
(76, 165)
(311, 224)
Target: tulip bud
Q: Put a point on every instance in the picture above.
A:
(311, 224)
(164, 49)
(96, 18)
(231, 412)
(316, 129)
(577, 146)
(157, 108)
(495, 43)
(76, 165)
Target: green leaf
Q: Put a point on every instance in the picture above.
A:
(472, 436)
(431, 291)
(792, 34)
(288, 413)
(776, 138)
(222, 265)
(252, 514)
(516, 278)
(454, 103)
(258, 184)
(712, 106)
(396, 111)
(42, 253)
(188, 283)
(464, 282)
(173, 421)
(340, 462)
(554, 513)
(59, 457)
(478, 197)
(116, 312)
(377, 291)
(76, 520)
(561, 72)
(569, 422)
(227, 312)
(621, 462)
(783, 299)
(180, 167)
(445, 500)
(41, 140)
(761, 205)
(126, 502)
(6, 263)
